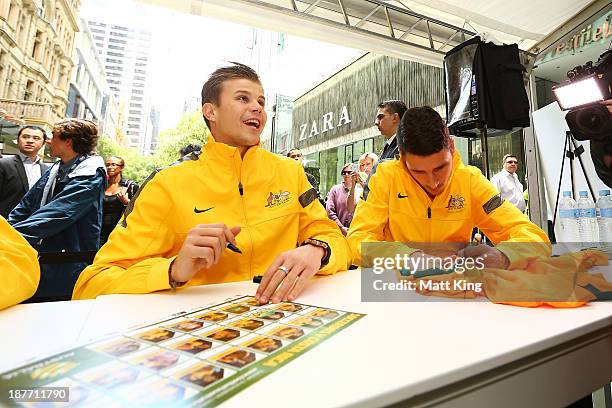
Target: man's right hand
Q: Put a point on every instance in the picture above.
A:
(202, 248)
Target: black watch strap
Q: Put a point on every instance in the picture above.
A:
(320, 244)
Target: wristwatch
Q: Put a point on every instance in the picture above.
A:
(320, 244)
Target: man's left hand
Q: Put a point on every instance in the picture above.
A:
(289, 273)
(489, 256)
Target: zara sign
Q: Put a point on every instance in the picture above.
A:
(308, 130)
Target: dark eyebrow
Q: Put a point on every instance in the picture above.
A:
(442, 166)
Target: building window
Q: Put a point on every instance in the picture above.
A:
(37, 41)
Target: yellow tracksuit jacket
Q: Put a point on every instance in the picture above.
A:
(399, 210)
(268, 196)
(19, 266)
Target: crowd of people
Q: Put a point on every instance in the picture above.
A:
(230, 210)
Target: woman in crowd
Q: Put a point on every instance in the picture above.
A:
(116, 197)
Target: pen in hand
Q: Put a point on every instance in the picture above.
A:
(233, 248)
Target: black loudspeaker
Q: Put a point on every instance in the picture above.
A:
(484, 87)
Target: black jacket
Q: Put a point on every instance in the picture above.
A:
(13, 182)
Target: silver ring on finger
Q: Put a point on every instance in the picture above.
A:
(284, 269)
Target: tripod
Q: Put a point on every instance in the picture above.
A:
(571, 150)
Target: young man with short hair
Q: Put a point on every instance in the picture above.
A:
(20, 172)
(186, 218)
(388, 117)
(430, 196)
(62, 212)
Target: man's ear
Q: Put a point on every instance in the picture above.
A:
(451, 142)
(209, 111)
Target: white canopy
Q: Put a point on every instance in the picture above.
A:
(420, 30)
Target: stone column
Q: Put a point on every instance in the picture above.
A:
(4, 8)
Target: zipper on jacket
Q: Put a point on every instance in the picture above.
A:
(428, 212)
(240, 189)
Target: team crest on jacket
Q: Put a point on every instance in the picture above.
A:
(455, 203)
(274, 200)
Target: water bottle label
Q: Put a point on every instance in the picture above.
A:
(586, 213)
(605, 212)
(568, 213)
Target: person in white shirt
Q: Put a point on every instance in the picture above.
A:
(508, 184)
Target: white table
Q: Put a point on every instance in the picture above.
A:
(420, 353)
(34, 330)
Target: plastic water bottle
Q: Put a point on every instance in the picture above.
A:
(603, 209)
(587, 220)
(568, 218)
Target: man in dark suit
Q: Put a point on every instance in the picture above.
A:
(388, 117)
(22, 171)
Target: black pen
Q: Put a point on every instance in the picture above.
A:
(233, 248)
(257, 279)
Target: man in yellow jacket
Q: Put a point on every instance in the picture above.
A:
(19, 266)
(430, 196)
(189, 220)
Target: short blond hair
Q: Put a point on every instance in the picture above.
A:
(506, 156)
(372, 156)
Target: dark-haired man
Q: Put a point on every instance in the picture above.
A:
(388, 117)
(20, 172)
(387, 120)
(62, 212)
(297, 155)
(186, 218)
(430, 196)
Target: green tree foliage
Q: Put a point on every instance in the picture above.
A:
(190, 129)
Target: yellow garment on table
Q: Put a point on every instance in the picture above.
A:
(19, 266)
(268, 196)
(561, 282)
(399, 210)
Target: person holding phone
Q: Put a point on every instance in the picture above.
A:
(337, 199)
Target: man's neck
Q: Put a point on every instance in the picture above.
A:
(68, 157)
(31, 155)
(387, 137)
(243, 150)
